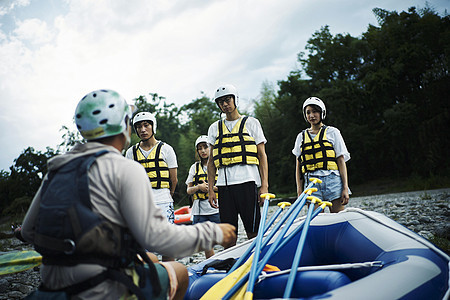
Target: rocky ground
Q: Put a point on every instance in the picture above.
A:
(425, 212)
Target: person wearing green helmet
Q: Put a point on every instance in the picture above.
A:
(94, 215)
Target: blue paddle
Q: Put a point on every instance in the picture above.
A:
(300, 227)
(251, 282)
(296, 207)
(301, 244)
(269, 223)
(295, 211)
(272, 251)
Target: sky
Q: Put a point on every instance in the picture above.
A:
(53, 52)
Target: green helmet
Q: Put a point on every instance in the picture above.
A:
(102, 113)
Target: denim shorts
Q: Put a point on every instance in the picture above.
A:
(203, 218)
(330, 189)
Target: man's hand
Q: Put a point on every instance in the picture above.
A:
(212, 198)
(229, 235)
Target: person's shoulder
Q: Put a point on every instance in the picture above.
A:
(332, 129)
(120, 163)
(252, 120)
(165, 145)
(215, 123)
(193, 166)
(213, 126)
(129, 150)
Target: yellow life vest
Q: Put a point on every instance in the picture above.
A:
(156, 168)
(235, 147)
(201, 175)
(317, 153)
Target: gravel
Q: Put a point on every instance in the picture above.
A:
(424, 212)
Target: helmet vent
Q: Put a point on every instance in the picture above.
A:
(111, 105)
(78, 116)
(96, 112)
(94, 95)
(104, 121)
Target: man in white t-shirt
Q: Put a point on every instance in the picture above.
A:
(238, 152)
(158, 159)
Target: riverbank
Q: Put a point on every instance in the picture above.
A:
(424, 212)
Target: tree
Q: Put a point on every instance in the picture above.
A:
(386, 91)
(25, 176)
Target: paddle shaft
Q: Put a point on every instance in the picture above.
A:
(298, 252)
(301, 200)
(252, 277)
(272, 250)
(293, 215)
(246, 254)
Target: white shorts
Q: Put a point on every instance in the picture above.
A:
(167, 208)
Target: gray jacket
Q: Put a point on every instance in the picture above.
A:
(121, 192)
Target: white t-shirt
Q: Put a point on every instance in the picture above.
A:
(200, 207)
(237, 174)
(168, 155)
(335, 138)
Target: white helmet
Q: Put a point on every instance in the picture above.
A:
(145, 116)
(315, 101)
(102, 113)
(225, 90)
(201, 139)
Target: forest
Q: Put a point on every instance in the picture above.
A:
(387, 91)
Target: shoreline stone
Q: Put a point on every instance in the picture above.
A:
(424, 212)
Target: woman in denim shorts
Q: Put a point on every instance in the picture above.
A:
(321, 153)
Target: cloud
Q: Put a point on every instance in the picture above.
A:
(54, 52)
(13, 5)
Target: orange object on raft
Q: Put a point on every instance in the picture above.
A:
(183, 215)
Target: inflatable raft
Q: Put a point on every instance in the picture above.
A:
(183, 215)
(354, 254)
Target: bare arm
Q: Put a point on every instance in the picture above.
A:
(173, 180)
(263, 168)
(211, 178)
(192, 189)
(298, 178)
(343, 172)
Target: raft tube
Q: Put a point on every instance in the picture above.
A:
(183, 215)
(399, 264)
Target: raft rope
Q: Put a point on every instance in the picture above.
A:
(369, 264)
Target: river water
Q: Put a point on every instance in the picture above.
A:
(425, 212)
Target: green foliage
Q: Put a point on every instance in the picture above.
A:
(25, 176)
(19, 206)
(386, 91)
(70, 139)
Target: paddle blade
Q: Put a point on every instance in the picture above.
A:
(243, 294)
(19, 261)
(219, 290)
